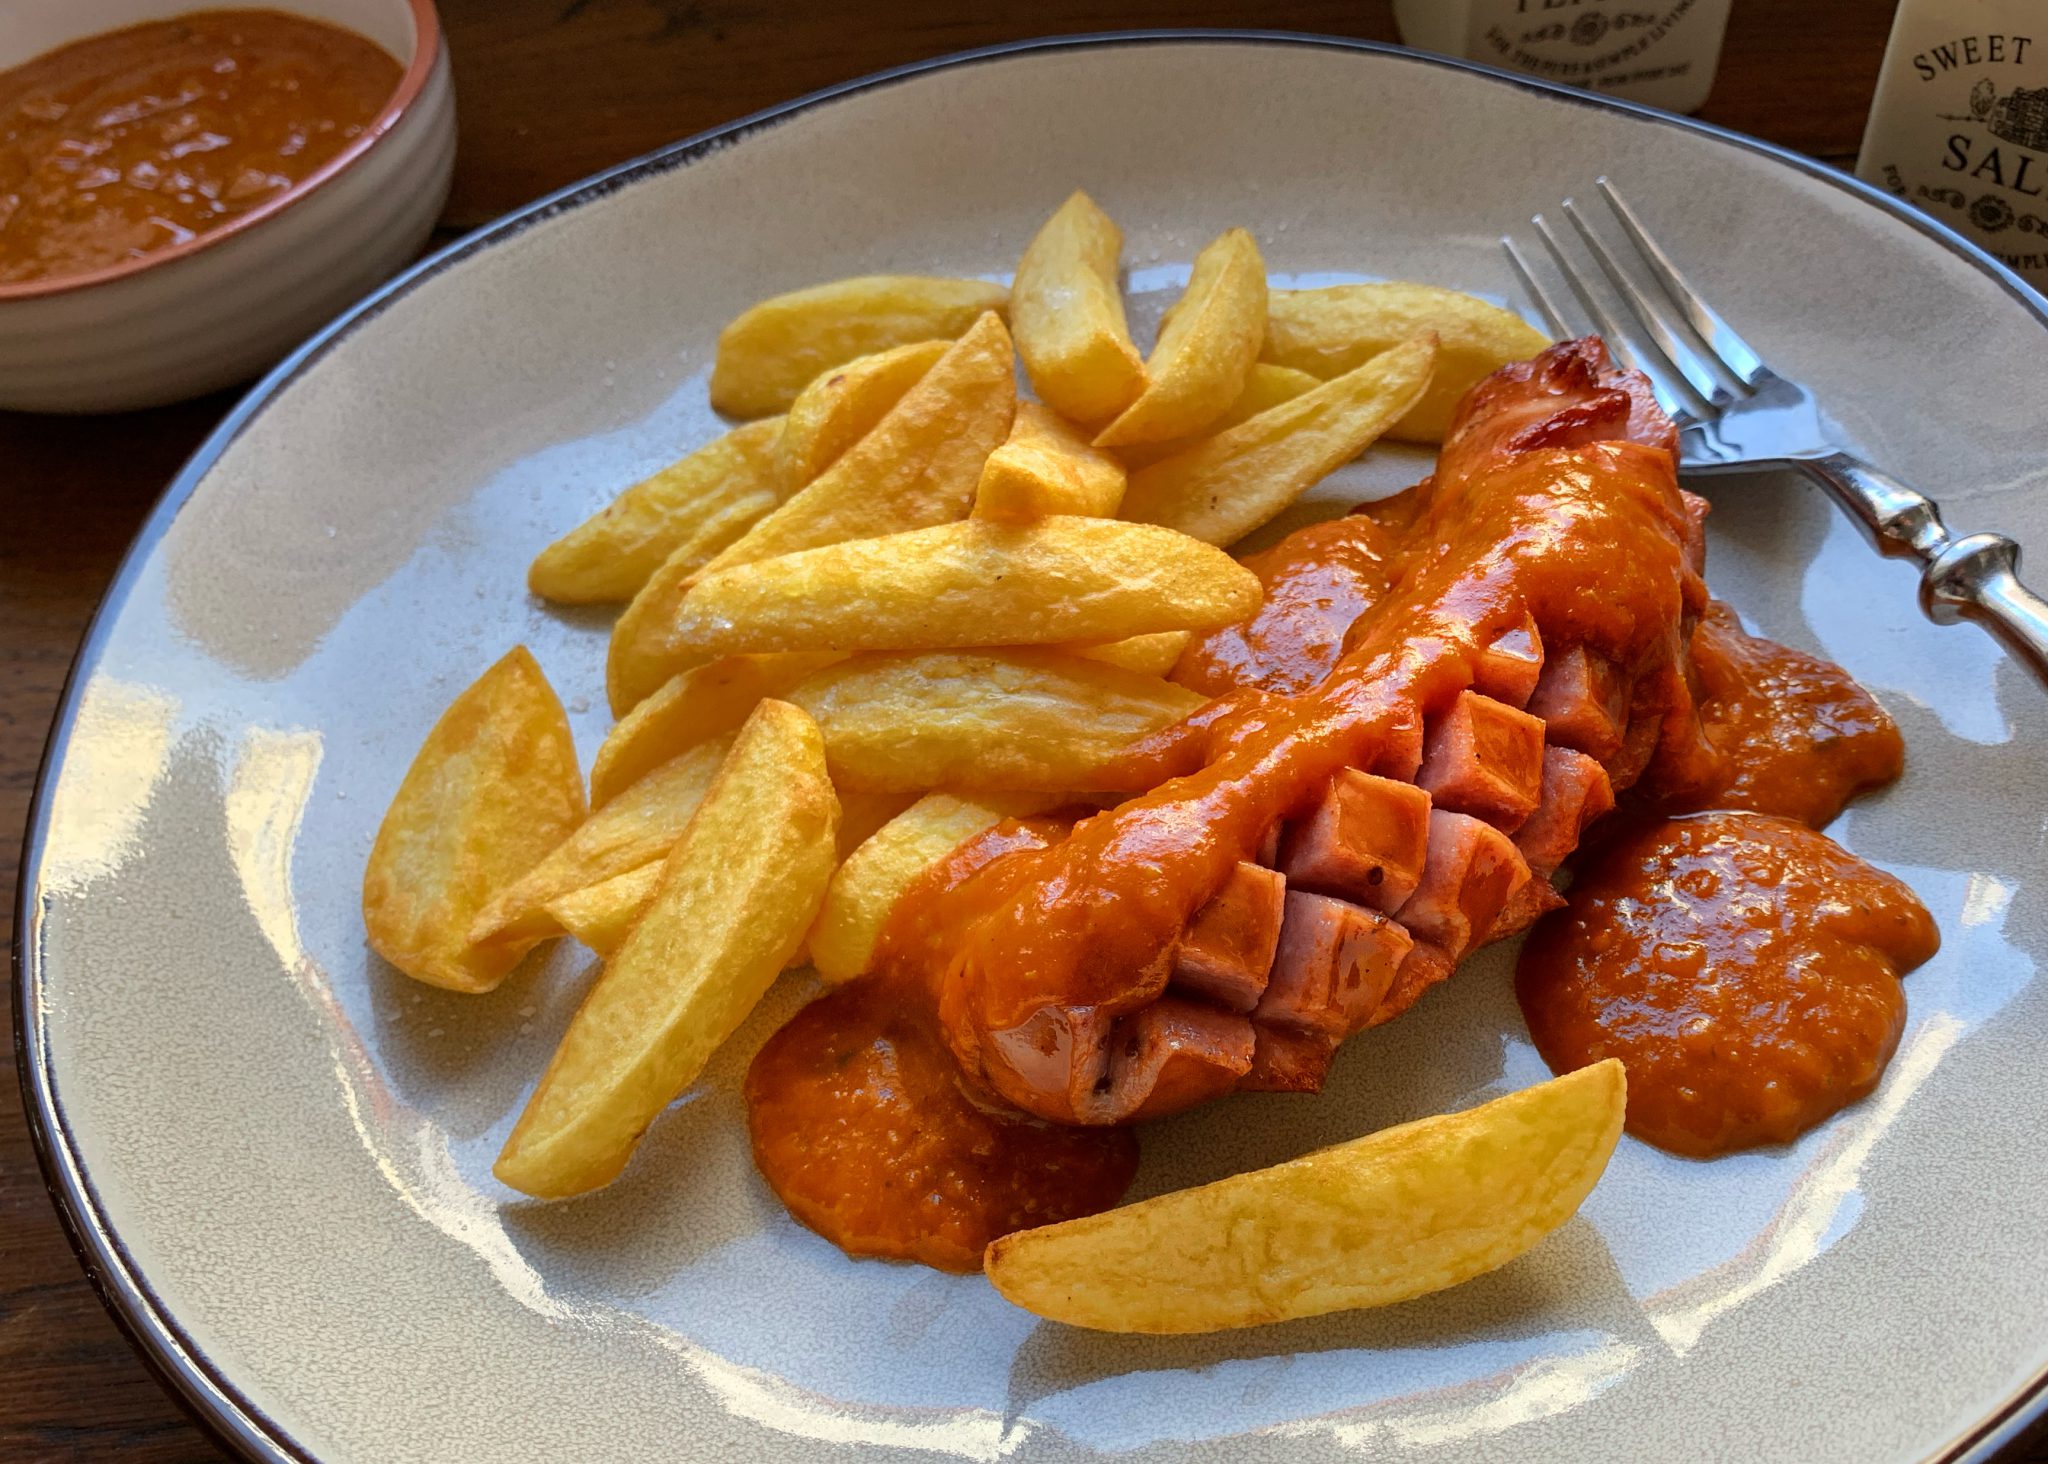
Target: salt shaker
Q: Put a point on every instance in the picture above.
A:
(1662, 52)
(1959, 126)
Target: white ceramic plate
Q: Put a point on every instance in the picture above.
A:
(274, 1151)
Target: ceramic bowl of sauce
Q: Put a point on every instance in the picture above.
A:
(187, 193)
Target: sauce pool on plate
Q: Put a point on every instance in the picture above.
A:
(123, 144)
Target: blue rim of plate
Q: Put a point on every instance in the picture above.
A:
(192, 1379)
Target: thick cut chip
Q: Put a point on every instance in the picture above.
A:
(1265, 386)
(1069, 317)
(704, 502)
(843, 405)
(492, 790)
(977, 583)
(1031, 721)
(691, 707)
(603, 914)
(1225, 486)
(1154, 654)
(1046, 467)
(875, 875)
(737, 894)
(1338, 328)
(772, 352)
(1394, 1215)
(637, 827)
(1207, 344)
(918, 466)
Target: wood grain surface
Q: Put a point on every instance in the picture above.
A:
(547, 91)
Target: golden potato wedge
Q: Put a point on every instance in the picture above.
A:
(1207, 344)
(975, 583)
(1154, 654)
(1069, 316)
(691, 707)
(601, 915)
(776, 349)
(491, 791)
(722, 487)
(1225, 486)
(862, 813)
(1265, 385)
(637, 827)
(842, 405)
(874, 876)
(737, 894)
(1394, 1215)
(917, 467)
(1046, 467)
(1026, 721)
(1338, 328)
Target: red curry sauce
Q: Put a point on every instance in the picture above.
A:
(122, 144)
(1744, 968)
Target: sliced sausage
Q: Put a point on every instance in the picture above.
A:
(1575, 792)
(1509, 668)
(1333, 966)
(1472, 870)
(1228, 946)
(1364, 842)
(1485, 759)
(1171, 1055)
(1582, 701)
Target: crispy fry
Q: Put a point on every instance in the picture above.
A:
(1032, 721)
(722, 487)
(1069, 317)
(737, 894)
(637, 827)
(842, 405)
(1046, 467)
(776, 349)
(1227, 485)
(1207, 344)
(1338, 328)
(977, 583)
(917, 467)
(1154, 655)
(1394, 1215)
(691, 707)
(603, 914)
(493, 788)
(1265, 385)
(875, 875)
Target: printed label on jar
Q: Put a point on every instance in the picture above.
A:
(1662, 51)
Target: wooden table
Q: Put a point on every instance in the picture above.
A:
(550, 90)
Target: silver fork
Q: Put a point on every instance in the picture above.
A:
(1736, 415)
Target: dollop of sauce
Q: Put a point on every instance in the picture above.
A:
(1798, 736)
(862, 1123)
(1744, 968)
(125, 143)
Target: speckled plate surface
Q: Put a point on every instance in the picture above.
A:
(274, 1151)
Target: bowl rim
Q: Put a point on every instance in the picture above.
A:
(426, 54)
(199, 1386)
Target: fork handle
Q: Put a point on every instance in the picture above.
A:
(1972, 578)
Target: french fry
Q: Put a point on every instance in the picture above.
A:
(1153, 655)
(721, 488)
(1046, 467)
(603, 914)
(737, 894)
(1030, 721)
(639, 826)
(1207, 344)
(1265, 385)
(1069, 317)
(874, 876)
(1225, 486)
(842, 405)
(975, 583)
(691, 707)
(772, 352)
(491, 791)
(1394, 1215)
(917, 466)
(1329, 331)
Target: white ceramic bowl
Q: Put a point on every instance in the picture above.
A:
(220, 308)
